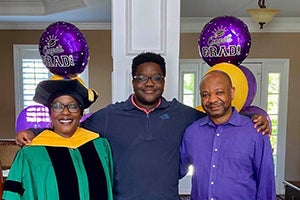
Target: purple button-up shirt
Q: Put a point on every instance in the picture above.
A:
(231, 161)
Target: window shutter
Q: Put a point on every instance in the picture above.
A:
(34, 71)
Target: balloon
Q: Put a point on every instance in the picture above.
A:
(257, 110)
(252, 87)
(35, 116)
(224, 39)
(200, 108)
(85, 116)
(239, 81)
(64, 49)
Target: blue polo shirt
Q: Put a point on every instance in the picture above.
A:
(145, 147)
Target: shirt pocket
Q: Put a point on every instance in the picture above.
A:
(236, 165)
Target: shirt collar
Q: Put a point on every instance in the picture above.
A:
(143, 109)
(234, 120)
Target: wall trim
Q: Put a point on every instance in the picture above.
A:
(187, 25)
(278, 25)
(41, 26)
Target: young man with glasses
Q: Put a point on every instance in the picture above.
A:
(145, 132)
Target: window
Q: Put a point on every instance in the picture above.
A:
(190, 74)
(189, 89)
(29, 70)
(273, 109)
(272, 79)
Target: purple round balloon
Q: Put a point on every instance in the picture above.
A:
(224, 39)
(64, 49)
(35, 116)
(257, 110)
(252, 87)
(85, 116)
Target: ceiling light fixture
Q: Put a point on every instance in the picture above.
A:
(262, 15)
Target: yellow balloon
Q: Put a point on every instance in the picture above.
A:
(239, 81)
(200, 108)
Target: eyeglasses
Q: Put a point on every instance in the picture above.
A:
(59, 107)
(156, 79)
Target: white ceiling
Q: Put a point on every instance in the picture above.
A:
(18, 11)
(90, 11)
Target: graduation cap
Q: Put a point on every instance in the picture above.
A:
(46, 91)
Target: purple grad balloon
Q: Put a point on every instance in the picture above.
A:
(252, 87)
(64, 49)
(224, 39)
(35, 116)
(85, 116)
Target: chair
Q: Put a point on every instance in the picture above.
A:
(1, 181)
(8, 150)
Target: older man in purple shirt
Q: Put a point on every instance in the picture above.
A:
(231, 161)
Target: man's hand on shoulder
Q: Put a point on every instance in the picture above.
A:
(261, 124)
(24, 137)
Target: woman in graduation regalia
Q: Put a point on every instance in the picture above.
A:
(66, 161)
